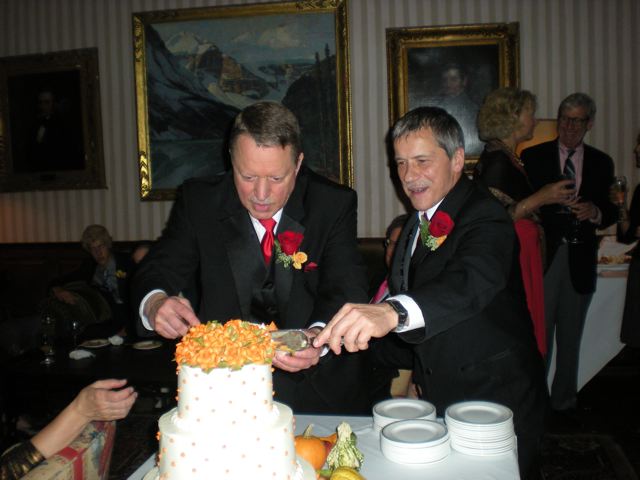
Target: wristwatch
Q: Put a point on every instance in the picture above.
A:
(403, 315)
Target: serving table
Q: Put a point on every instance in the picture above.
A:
(601, 335)
(376, 467)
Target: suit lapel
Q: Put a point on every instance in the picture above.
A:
(291, 220)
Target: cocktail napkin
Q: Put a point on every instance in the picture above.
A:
(79, 354)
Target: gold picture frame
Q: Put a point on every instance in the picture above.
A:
(453, 67)
(50, 122)
(195, 69)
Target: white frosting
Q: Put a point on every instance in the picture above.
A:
(225, 398)
(226, 426)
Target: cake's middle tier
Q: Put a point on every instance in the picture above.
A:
(224, 397)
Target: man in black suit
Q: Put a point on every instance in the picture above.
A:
(215, 238)
(457, 294)
(570, 230)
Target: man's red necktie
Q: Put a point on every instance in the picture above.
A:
(267, 239)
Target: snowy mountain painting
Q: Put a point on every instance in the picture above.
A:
(201, 73)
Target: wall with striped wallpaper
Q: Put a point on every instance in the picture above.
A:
(566, 46)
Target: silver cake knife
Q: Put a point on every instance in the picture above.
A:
(290, 340)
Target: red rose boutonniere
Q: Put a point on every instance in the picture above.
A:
(287, 253)
(434, 232)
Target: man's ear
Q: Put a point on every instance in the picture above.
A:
(299, 162)
(458, 160)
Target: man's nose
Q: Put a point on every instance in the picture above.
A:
(410, 172)
(262, 189)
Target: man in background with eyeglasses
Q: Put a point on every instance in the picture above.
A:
(572, 247)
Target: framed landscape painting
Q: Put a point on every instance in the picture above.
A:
(453, 67)
(50, 122)
(195, 69)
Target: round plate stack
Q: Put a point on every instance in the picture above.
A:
(415, 441)
(389, 411)
(480, 428)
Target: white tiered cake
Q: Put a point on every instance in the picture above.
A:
(226, 424)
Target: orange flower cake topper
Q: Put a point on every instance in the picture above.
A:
(233, 345)
(433, 233)
(287, 244)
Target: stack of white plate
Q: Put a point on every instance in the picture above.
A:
(480, 428)
(415, 441)
(389, 411)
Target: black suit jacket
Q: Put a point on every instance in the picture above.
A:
(477, 343)
(209, 238)
(542, 164)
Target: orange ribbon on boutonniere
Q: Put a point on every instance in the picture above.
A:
(287, 244)
(434, 232)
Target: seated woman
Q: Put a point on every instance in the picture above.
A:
(627, 233)
(98, 401)
(506, 118)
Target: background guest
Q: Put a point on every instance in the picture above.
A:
(506, 118)
(108, 273)
(572, 246)
(627, 233)
(102, 400)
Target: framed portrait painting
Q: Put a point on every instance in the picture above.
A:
(452, 67)
(196, 69)
(50, 122)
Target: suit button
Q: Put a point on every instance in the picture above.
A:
(271, 310)
(268, 285)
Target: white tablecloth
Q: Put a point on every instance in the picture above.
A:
(601, 335)
(456, 466)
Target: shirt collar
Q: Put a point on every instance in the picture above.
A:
(429, 213)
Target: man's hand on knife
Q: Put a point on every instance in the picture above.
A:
(170, 317)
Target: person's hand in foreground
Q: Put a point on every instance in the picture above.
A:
(355, 324)
(99, 401)
(170, 317)
(301, 360)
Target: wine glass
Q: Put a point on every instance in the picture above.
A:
(75, 331)
(48, 338)
(573, 236)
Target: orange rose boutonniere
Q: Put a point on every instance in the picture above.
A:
(287, 244)
(433, 233)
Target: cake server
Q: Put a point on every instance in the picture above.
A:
(290, 340)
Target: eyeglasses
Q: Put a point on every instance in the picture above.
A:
(577, 121)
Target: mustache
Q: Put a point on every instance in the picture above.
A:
(417, 185)
(265, 202)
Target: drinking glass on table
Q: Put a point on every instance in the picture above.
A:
(48, 338)
(619, 195)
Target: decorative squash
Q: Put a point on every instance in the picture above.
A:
(313, 449)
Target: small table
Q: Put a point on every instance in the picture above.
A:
(48, 388)
(377, 467)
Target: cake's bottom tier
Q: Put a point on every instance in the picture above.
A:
(266, 453)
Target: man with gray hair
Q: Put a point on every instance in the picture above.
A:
(457, 299)
(570, 230)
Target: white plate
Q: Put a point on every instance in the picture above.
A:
(96, 343)
(414, 433)
(147, 345)
(613, 267)
(479, 413)
(396, 409)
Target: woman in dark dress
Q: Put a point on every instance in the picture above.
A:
(627, 233)
(506, 118)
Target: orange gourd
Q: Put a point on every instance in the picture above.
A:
(313, 449)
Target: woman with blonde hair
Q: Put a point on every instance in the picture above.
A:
(507, 118)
